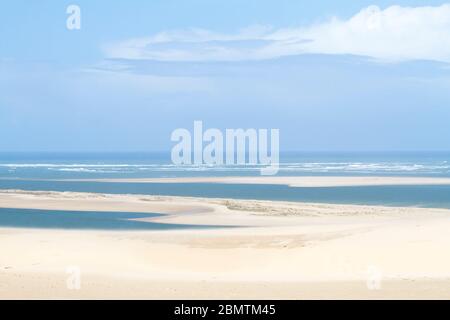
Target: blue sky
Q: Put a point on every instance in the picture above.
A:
(331, 75)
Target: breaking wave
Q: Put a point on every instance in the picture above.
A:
(287, 168)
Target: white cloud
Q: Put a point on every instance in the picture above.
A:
(393, 34)
(396, 33)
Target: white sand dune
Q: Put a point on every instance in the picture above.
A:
(280, 250)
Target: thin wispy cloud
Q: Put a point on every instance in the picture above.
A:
(392, 34)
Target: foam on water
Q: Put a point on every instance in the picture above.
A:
(89, 165)
(23, 172)
(287, 168)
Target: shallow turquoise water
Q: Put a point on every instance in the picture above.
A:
(87, 220)
(28, 171)
(420, 195)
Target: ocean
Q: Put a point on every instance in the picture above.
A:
(39, 171)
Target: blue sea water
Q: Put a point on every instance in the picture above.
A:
(82, 220)
(420, 196)
(146, 165)
(38, 171)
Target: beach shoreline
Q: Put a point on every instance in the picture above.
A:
(274, 247)
(291, 181)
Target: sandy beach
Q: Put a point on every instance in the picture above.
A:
(275, 250)
(292, 181)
